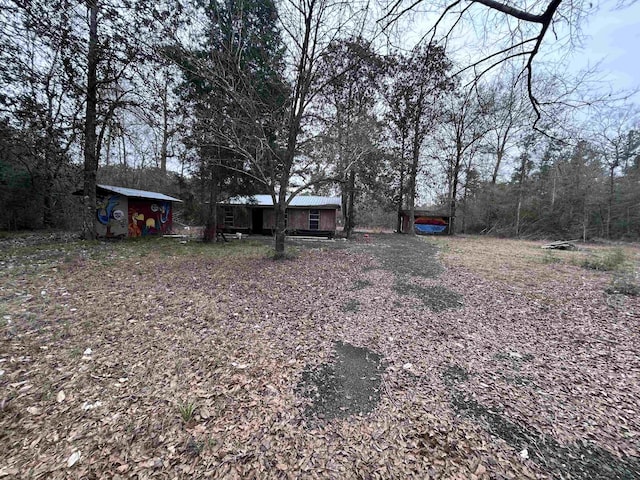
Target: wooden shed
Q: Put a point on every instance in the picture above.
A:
(305, 215)
(127, 212)
(427, 222)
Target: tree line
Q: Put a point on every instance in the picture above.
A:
(207, 99)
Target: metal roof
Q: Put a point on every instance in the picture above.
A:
(132, 192)
(299, 201)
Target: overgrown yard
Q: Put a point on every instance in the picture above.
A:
(390, 357)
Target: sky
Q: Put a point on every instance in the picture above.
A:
(610, 40)
(613, 38)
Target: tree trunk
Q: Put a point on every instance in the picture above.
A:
(281, 229)
(464, 197)
(585, 219)
(413, 173)
(412, 200)
(553, 189)
(47, 201)
(124, 148)
(499, 155)
(107, 158)
(350, 220)
(165, 131)
(523, 176)
(610, 201)
(401, 187)
(518, 208)
(90, 157)
(211, 229)
(400, 198)
(455, 174)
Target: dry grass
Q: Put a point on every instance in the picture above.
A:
(524, 263)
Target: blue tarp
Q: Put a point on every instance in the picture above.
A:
(422, 228)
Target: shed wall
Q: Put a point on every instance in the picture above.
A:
(328, 220)
(111, 215)
(149, 217)
(298, 219)
(269, 219)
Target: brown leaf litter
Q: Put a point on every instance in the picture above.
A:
(528, 372)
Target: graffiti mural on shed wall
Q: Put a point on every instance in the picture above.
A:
(110, 215)
(149, 217)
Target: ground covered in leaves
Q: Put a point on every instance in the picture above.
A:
(386, 357)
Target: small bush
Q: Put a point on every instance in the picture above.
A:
(549, 258)
(187, 410)
(609, 261)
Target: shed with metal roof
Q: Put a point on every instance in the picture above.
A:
(128, 212)
(305, 215)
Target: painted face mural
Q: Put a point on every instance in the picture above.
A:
(105, 207)
(110, 215)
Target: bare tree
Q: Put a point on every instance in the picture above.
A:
(266, 129)
(461, 134)
(414, 105)
(352, 71)
(507, 119)
(610, 129)
(516, 32)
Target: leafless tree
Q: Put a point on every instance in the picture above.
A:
(516, 30)
(610, 128)
(269, 137)
(461, 133)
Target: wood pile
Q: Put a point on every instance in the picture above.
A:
(560, 245)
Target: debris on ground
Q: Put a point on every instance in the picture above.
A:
(560, 245)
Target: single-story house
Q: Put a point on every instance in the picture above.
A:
(427, 221)
(127, 212)
(305, 215)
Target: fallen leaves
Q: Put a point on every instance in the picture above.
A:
(235, 333)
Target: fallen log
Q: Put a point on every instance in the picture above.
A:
(560, 245)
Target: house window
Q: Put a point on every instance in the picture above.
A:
(314, 219)
(228, 216)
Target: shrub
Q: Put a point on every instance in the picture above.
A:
(550, 258)
(608, 261)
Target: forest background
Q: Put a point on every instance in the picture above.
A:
(465, 107)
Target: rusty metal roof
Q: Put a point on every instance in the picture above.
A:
(299, 201)
(132, 192)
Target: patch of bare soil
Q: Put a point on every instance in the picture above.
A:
(349, 384)
(161, 360)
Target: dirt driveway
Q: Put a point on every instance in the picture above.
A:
(380, 358)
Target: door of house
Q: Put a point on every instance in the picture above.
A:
(257, 217)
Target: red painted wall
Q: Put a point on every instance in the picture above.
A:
(149, 217)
